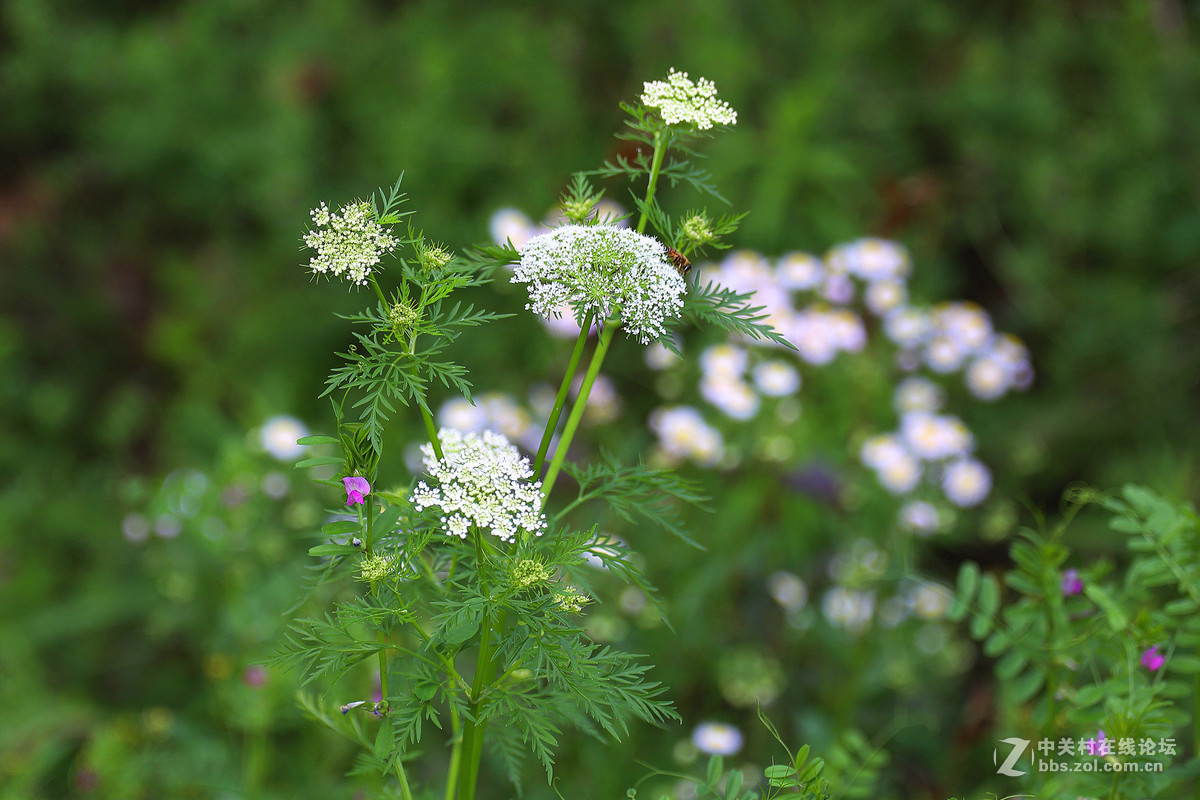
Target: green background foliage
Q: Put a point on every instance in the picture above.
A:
(158, 162)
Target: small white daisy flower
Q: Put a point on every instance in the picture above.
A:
(966, 482)
(884, 296)
(848, 609)
(931, 601)
(679, 100)
(483, 482)
(901, 475)
(658, 357)
(788, 589)
(776, 378)
(717, 739)
(350, 243)
(602, 269)
(278, 437)
(907, 327)
(724, 361)
(511, 225)
(988, 378)
(683, 433)
(730, 394)
(920, 517)
(800, 271)
(935, 436)
(916, 393)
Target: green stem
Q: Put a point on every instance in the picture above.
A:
(403, 780)
(455, 758)
(432, 431)
(471, 743)
(256, 759)
(1196, 730)
(379, 292)
(561, 399)
(560, 453)
(655, 166)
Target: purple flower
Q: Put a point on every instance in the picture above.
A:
(346, 709)
(254, 676)
(1152, 659)
(1071, 584)
(1099, 746)
(356, 489)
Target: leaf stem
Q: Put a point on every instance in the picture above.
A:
(655, 166)
(560, 453)
(403, 780)
(561, 399)
(432, 431)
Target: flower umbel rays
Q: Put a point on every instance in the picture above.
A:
(483, 482)
(678, 99)
(602, 269)
(350, 243)
(356, 490)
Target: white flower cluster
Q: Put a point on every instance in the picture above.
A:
(683, 434)
(678, 99)
(492, 411)
(848, 609)
(927, 443)
(725, 367)
(602, 269)
(483, 481)
(945, 338)
(350, 243)
(808, 299)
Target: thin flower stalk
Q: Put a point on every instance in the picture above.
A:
(561, 399)
(606, 337)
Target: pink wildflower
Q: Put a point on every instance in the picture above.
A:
(1071, 584)
(356, 489)
(1152, 659)
(1098, 746)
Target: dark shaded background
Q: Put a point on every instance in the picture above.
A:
(157, 161)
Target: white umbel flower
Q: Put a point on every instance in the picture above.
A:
(678, 99)
(483, 481)
(602, 269)
(350, 243)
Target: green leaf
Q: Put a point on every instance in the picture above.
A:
(1027, 685)
(1186, 664)
(460, 630)
(812, 770)
(1116, 616)
(968, 581)
(384, 740)
(318, 440)
(1185, 605)
(716, 765)
(386, 521)
(733, 784)
(779, 775)
(333, 550)
(319, 461)
(1008, 667)
(1088, 696)
(340, 527)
